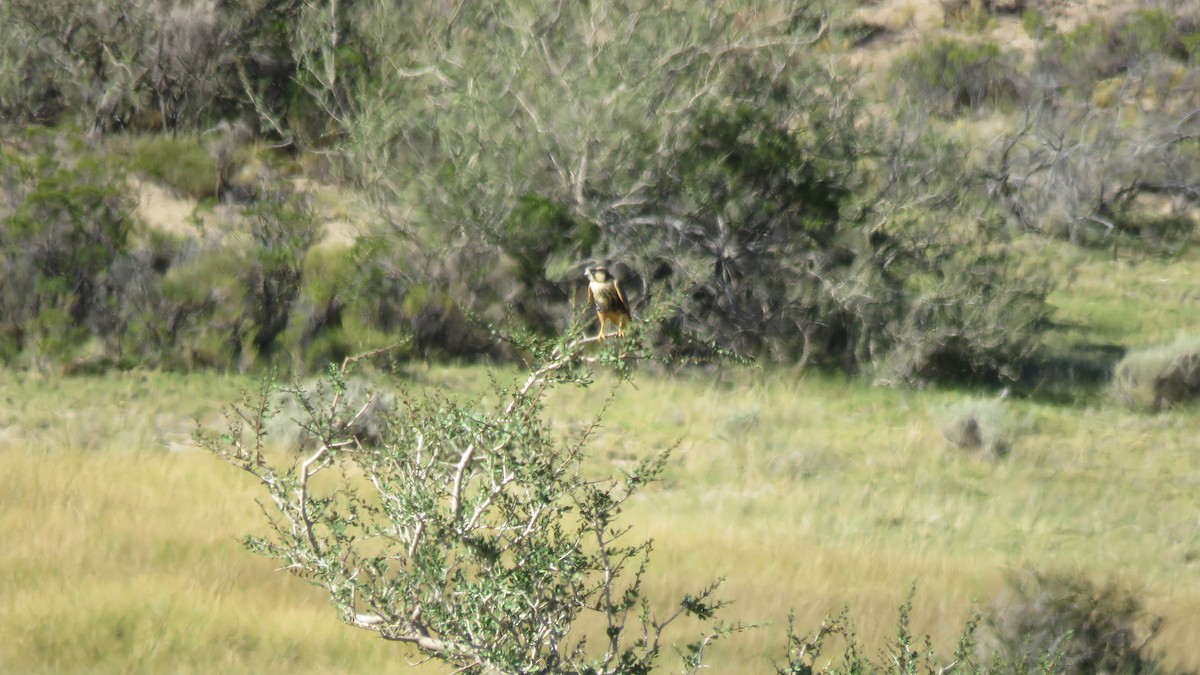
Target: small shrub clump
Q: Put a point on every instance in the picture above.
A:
(982, 428)
(1057, 622)
(182, 163)
(959, 75)
(364, 413)
(1155, 378)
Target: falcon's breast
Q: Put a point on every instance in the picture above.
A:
(607, 299)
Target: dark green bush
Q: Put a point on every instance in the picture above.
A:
(282, 230)
(971, 315)
(337, 312)
(779, 245)
(1157, 232)
(204, 309)
(66, 226)
(179, 162)
(1150, 31)
(539, 236)
(751, 234)
(136, 328)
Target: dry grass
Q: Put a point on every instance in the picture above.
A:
(121, 548)
(833, 495)
(807, 493)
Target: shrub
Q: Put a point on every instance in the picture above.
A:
(759, 248)
(1035, 23)
(369, 411)
(1157, 31)
(135, 328)
(204, 309)
(976, 15)
(1100, 49)
(1159, 377)
(394, 289)
(332, 317)
(537, 236)
(179, 162)
(782, 253)
(471, 532)
(65, 227)
(1158, 233)
(283, 228)
(981, 427)
(1069, 623)
(970, 313)
(903, 655)
(958, 75)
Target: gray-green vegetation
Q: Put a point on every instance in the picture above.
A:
(1002, 196)
(709, 148)
(1154, 378)
(981, 427)
(467, 530)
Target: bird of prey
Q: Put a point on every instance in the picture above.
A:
(605, 295)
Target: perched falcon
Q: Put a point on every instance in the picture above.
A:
(605, 295)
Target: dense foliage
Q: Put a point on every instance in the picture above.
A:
(730, 171)
(711, 152)
(65, 227)
(170, 67)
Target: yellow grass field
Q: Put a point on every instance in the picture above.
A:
(809, 493)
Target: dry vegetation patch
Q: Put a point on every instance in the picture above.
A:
(870, 503)
(1155, 378)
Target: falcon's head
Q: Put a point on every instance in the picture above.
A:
(598, 274)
